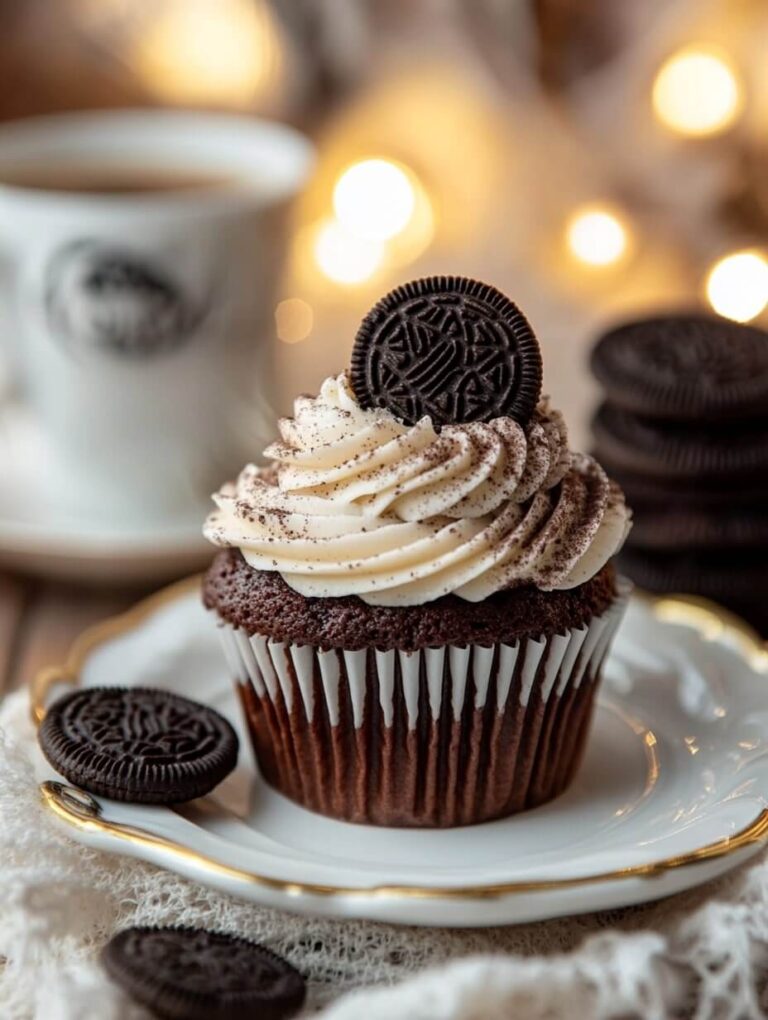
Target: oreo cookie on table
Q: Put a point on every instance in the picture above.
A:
(192, 974)
(138, 744)
(685, 367)
(629, 442)
(448, 347)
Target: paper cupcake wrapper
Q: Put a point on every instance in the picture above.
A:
(438, 737)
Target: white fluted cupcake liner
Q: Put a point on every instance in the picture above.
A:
(437, 737)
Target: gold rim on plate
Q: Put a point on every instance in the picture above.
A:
(81, 811)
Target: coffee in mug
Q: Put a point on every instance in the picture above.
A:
(109, 179)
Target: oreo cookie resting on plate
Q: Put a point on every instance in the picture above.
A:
(415, 595)
(685, 430)
(138, 744)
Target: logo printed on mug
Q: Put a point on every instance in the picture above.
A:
(118, 301)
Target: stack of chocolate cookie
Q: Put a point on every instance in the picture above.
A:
(684, 430)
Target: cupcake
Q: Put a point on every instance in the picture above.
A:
(415, 594)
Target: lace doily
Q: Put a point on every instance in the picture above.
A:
(701, 954)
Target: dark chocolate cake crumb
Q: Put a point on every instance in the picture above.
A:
(260, 602)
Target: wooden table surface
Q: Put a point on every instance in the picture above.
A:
(39, 620)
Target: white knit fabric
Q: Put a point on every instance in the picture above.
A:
(700, 954)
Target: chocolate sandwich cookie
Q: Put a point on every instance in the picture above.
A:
(721, 575)
(448, 347)
(191, 974)
(685, 367)
(629, 442)
(138, 744)
(689, 527)
(645, 492)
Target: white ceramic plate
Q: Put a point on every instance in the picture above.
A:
(37, 536)
(672, 792)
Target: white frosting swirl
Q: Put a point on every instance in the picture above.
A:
(358, 503)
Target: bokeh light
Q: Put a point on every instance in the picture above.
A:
(374, 199)
(697, 92)
(294, 320)
(209, 51)
(737, 285)
(597, 236)
(344, 257)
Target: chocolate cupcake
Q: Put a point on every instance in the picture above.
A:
(415, 596)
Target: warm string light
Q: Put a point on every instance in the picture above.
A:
(597, 236)
(382, 215)
(374, 199)
(209, 51)
(344, 258)
(737, 285)
(697, 92)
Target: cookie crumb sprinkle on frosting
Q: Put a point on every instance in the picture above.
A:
(434, 467)
(355, 502)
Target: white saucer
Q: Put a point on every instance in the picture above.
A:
(672, 792)
(37, 536)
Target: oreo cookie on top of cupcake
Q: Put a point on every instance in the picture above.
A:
(416, 594)
(684, 428)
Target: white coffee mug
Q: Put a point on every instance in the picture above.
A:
(139, 323)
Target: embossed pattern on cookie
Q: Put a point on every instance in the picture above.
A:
(451, 348)
(138, 744)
